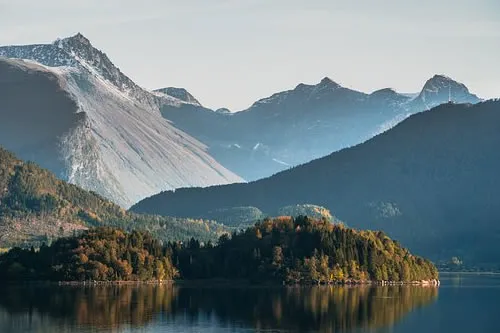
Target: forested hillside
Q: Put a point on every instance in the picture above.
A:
(431, 182)
(298, 251)
(303, 250)
(103, 254)
(37, 207)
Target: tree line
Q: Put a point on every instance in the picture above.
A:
(292, 250)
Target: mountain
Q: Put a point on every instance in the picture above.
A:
(76, 114)
(178, 93)
(310, 121)
(431, 182)
(36, 207)
(440, 89)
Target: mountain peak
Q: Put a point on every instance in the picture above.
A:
(441, 88)
(439, 81)
(179, 93)
(327, 82)
(223, 111)
(79, 38)
(384, 91)
(442, 79)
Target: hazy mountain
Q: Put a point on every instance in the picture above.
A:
(440, 89)
(36, 207)
(431, 182)
(308, 122)
(179, 93)
(82, 118)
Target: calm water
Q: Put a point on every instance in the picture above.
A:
(463, 303)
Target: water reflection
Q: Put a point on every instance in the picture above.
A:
(323, 309)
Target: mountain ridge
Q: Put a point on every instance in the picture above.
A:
(328, 116)
(263, 139)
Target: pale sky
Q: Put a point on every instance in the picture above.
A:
(229, 53)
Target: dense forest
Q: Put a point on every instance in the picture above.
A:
(36, 207)
(293, 250)
(101, 254)
(431, 182)
(302, 250)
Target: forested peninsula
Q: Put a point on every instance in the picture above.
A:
(281, 250)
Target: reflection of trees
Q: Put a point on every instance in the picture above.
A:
(325, 309)
(98, 306)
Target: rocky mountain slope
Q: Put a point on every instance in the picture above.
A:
(37, 207)
(308, 122)
(76, 114)
(431, 182)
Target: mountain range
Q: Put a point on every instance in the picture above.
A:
(69, 109)
(310, 121)
(113, 140)
(431, 182)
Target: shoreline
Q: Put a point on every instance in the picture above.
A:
(246, 283)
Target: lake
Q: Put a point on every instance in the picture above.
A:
(463, 303)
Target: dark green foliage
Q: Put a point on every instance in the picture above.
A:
(303, 250)
(300, 250)
(102, 254)
(35, 206)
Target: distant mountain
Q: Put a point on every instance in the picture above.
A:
(431, 182)
(78, 115)
(440, 89)
(37, 207)
(295, 126)
(179, 93)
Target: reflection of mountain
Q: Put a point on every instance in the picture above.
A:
(323, 309)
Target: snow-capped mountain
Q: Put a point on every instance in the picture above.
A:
(90, 124)
(77, 51)
(312, 120)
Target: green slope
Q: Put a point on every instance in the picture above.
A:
(37, 207)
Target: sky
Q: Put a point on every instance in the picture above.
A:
(230, 53)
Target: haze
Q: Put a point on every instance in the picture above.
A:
(229, 53)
